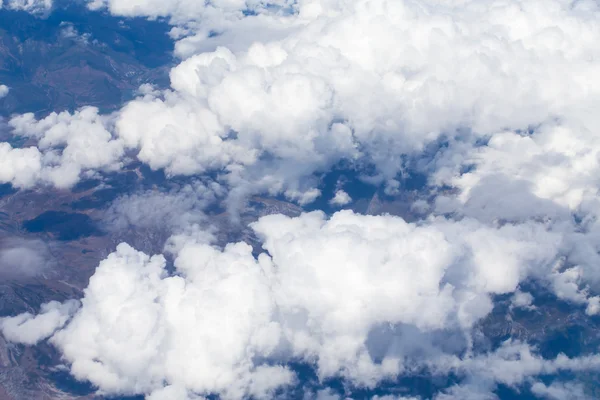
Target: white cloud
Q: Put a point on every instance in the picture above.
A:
(390, 397)
(368, 79)
(151, 8)
(23, 258)
(67, 145)
(319, 293)
(184, 11)
(3, 91)
(29, 329)
(512, 364)
(178, 134)
(341, 198)
(540, 173)
(336, 63)
(559, 391)
(173, 393)
(68, 31)
(547, 175)
(275, 98)
(593, 306)
(138, 328)
(327, 394)
(155, 210)
(342, 277)
(32, 6)
(21, 167)
(522, 300)
(467, 392)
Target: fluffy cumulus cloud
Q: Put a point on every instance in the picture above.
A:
(198, 332)
(323, 291)
(370, 79)
(265, 97)
(183, 137)
(3, 91)
(21, 167)
(547, 174)
(522, 300)
(341, 198)
(29, 329)
(68, 145)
